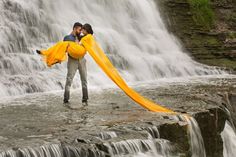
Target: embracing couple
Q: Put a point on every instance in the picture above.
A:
(79, 31)
(74, 47)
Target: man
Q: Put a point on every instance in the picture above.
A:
(74, 65)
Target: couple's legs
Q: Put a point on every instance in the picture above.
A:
(72, 66)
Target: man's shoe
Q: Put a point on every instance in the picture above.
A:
(67, 104)
(38, 52)
(84, 103)
(66, 101)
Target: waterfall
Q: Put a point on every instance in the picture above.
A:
(107, 135)
(140, 148)
(196, 140)
(152, 147)
(229, 140)
(114, 145)
(153, 132)
(195, 136)
(129, 148)
(53, 150)
(131, 32)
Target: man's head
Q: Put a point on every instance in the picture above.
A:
(87, 29)
(77, 28)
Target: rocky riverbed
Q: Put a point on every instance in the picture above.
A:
(111, 117)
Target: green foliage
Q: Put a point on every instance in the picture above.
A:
(232, 35)
(232, 17)
(202, 13)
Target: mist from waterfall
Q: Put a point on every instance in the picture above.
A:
(131, 32)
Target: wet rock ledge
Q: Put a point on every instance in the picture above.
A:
(113, 125)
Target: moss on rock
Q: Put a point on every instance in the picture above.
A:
(202, 13)
(206, 29)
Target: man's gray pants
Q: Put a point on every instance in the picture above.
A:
(72, 66)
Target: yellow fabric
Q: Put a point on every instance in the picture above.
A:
(102, 60)
(58, 54)
(75, 50)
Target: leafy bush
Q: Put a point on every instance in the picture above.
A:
(202, 13)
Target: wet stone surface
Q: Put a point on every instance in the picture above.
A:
(41, 119)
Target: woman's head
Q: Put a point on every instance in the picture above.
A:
(87, 29)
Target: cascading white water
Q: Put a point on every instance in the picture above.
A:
(131, 32)
(229, 140)
(140, 148)
(196, 140)
(53, 150)
(107, 135)
(151, 147)
(153, 132)
(165, 148)
(195, 136)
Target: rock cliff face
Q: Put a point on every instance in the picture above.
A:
(207, 31)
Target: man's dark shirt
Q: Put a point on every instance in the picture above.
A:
(72, 37)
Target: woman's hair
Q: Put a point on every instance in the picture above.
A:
(88, 28)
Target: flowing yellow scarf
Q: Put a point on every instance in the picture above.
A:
(57, 54)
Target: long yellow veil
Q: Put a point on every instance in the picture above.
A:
(57, 53)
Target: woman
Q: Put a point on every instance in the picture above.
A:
(57, 53)
(87, 29)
